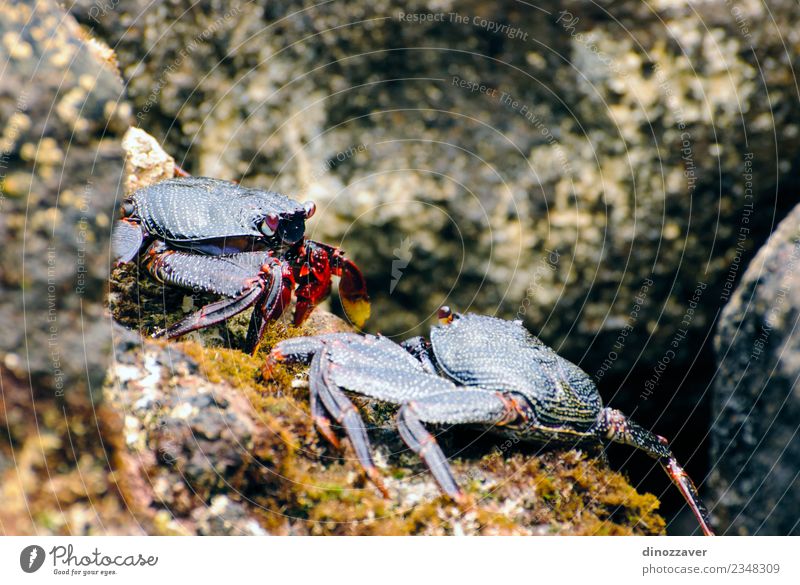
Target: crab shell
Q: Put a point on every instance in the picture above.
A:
(215, 216)
(487, 352)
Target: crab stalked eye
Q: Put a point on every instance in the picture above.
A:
(270, 224)
(127, 208)
(311, 209)
(445, 315)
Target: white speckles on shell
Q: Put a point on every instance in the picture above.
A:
(200, 208)
(222, 275)
(490, 353)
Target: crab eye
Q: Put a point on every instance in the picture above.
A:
(270, 224)
(127, 208)
(310, 208)
(445, 315)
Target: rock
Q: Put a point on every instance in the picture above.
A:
(62, 108)
(62, 112)
(190, 437)
(756, 405)
(146, 163)
(595, 160)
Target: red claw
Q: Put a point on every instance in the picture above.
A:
(353, 292)
(314, 269)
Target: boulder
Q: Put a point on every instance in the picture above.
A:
(756, 401)
(62, 113)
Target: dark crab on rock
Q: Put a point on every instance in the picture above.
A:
(475, 370)
(245, 244)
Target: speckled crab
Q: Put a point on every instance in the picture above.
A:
(475, 370)
(245, 244)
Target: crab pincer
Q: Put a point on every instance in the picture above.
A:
(316, 264)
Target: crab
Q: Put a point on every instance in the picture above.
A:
(476, 370)
(246, 245)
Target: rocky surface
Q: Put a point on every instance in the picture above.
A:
(756, 404)
(62, 113)
(605, 151)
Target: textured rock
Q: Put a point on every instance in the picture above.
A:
(60, 106)
(190, 438)
(61, 114)
(756, 405)
(595, 159)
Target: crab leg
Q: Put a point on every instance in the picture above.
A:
(246, 279)
(321, 419)
(343, 411)
(419, 440)
(452, 408)
(270, 306)
(302, 350)
(616, 427)
(211, 314)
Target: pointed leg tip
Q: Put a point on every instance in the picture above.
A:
(461, 499)
(268, 369)
(324, 429)
(377, 480)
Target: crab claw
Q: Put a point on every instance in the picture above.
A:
(126, 240)
(353, 293)
(315, 266)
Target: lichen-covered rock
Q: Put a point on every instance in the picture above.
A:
(62, 110)
(191, 437)
(756, 406)
(146, 162)
(547, 169)
(61, 116)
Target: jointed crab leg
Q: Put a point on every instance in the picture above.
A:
(465, 406)
(620, 429)
(246, 279)
(343, 411)
(278, 278)
(211, 314)
(419, 440)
